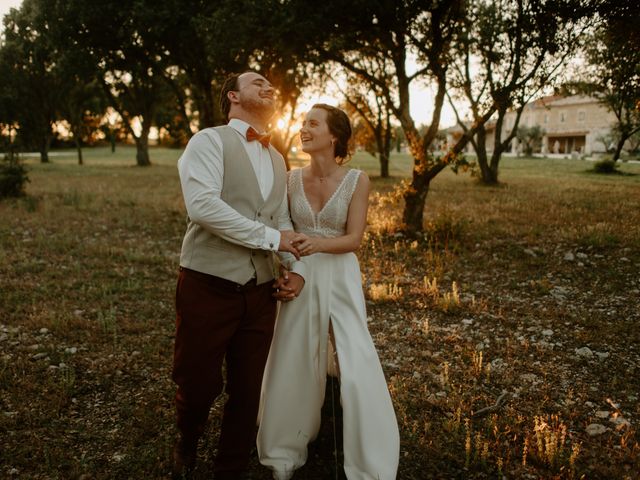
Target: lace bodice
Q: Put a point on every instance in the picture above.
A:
(331, 221)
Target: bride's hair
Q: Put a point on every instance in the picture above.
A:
(340, 127)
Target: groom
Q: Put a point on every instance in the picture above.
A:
(234, 187)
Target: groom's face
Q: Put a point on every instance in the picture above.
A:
(255, 94)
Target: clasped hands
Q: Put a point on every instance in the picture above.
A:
(299, 244)
(289, 285)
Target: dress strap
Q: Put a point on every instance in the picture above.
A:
(350, 183)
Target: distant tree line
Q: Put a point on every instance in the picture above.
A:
(161, 63)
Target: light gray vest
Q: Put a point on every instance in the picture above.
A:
(206, 252)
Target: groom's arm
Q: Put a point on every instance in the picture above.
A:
(201, 169)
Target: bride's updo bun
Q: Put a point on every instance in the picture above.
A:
(340, 127)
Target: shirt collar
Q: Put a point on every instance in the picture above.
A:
(239, 126)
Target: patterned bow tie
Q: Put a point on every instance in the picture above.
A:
(253, 135)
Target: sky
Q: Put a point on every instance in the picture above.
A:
(5, 5)
(421, 99)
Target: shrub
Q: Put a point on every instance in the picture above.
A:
(13, 179)
(605, 166)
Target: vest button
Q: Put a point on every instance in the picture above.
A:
(259, 214)
(271, 217)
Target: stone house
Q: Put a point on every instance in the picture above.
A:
(574, 124)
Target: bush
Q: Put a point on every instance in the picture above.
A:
(13, 179)
(605, 166)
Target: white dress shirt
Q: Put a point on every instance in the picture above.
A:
(201, 169)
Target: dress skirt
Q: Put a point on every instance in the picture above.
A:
(294, 381)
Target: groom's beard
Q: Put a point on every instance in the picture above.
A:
(263, 107)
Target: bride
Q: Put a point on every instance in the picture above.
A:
(325, 329)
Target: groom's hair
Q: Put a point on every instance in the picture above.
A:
(230, 84)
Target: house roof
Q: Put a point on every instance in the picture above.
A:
(558, 100)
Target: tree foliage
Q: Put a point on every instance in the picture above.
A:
(33, 84)
(385, 35)
(371, 107)
(613, 55)
(506, 53)
(530, 138)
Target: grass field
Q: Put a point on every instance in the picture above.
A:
(522, 298)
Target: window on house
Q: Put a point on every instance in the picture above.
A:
(563, 117)
(581, 116)
(546, 118)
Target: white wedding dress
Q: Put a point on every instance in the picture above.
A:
(294, 381)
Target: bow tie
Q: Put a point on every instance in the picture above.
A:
(253, 135)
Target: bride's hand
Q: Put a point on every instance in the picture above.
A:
(307, 245)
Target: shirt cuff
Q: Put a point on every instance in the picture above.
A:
(299, 267)
(271, 239)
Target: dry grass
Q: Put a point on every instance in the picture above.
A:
(506, 285)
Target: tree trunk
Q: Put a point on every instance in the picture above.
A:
(616, 154)
(384, 164)
(142, 149)
(44, 149)
(415, 195)
(76, 140)
(414, 200)
(207, 107)
(79, 150)
(489, 176)
(383, 147)
(493, 166)
(385, 152)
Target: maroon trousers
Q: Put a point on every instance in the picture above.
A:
(217, 320)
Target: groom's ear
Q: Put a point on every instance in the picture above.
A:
(232, 95)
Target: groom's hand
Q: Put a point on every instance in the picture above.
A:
(288, 239)
(288, 286)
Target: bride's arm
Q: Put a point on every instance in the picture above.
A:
(356, 223)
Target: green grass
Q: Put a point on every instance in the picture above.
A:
(88, 264)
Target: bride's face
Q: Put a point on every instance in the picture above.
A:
(314, 134)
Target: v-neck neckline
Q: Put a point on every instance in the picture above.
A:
(306, 199)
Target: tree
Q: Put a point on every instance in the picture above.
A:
(530, 138)
(112, 127)
(613, 56)
(205, 41)
(208, 40)
(506, 53)
(398, 135)
(83, 101)
(9, 108)
(35, 79)
(129, 63)
(375, 112)
(386, 33)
